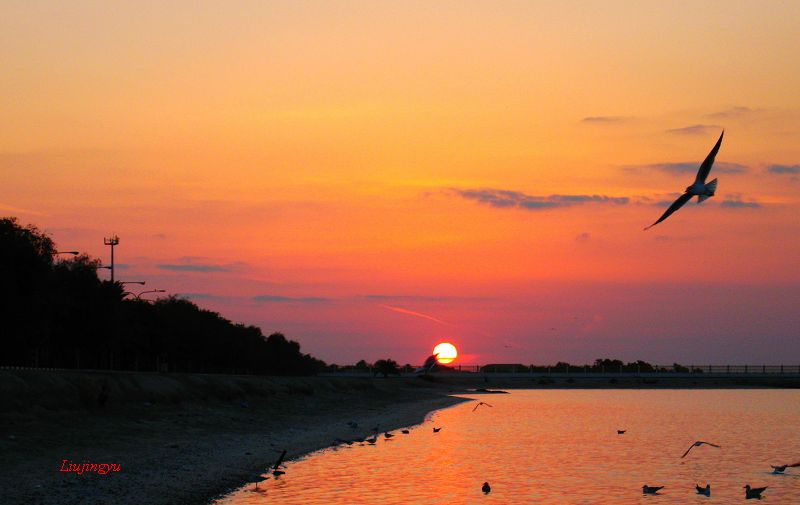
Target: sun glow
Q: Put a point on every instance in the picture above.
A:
(445, 353)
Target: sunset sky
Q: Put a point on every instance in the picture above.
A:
(371, 178)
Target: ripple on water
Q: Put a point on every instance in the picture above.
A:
(561, 447)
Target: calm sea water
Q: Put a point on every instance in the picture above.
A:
(562, 447)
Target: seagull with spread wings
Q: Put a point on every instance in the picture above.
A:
(699, 188)
(698, 444)
(479, 404)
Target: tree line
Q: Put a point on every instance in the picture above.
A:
(57, 313)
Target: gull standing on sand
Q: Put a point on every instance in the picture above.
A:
(276, 471)
(699, 188)
(698, 444)
(479, 404)
(705, 491)
(651, 489)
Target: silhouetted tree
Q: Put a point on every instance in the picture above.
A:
(61, 314)
(386, 367)
(26, 260)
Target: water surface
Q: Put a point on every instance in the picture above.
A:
(562, 447)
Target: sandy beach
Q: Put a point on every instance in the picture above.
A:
(180, 439)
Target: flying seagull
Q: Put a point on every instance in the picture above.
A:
(479, 404)
(699, 188)
(698, 444)
(782, 468)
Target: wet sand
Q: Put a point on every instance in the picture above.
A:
(181, 439)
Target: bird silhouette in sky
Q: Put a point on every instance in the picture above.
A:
(698, 444)
(699, 188)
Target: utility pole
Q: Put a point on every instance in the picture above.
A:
(114, 240)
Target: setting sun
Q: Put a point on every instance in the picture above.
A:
(445, 353)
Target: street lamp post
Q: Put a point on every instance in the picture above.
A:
(139, 296)
(114, 240)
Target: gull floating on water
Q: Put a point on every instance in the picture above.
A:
(705, 491)
(699, 188)
(405, 432)
(753, 492)
(698, 444)
(388, 435)
(486, 488)
(621, 432)
(437, 430)
(651, 489)
(782, 468)
(479, 404)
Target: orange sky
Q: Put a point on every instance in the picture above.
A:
(308, 166)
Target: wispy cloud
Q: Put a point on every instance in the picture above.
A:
(696, 129)
(423, 298)
(193, 268)
(688, 167)
(202, 296)
(201, 265)
(604, 119)
(730, 113)
(289, 299)
(415, 314)
(19, 210)
(784, 169)
(735, 202)
(502, 198)
(687, 238)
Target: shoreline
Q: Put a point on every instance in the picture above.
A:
(191, 438)
(178, 448)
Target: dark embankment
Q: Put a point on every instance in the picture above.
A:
(180, 438)
(612, 381)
